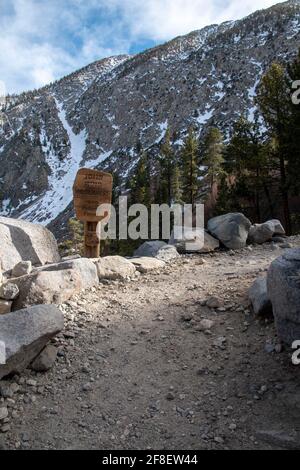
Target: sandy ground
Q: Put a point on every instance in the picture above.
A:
(137, 371)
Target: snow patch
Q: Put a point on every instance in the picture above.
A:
(62, 176)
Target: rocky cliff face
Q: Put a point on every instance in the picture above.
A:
(96, 116)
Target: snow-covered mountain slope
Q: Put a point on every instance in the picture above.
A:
(96, 116)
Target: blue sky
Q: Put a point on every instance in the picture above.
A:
(42, 40)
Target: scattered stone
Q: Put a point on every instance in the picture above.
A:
(283, 283)
(22, 241)
(114, 268)
(276, 239)
(274, 247)
(213, 302)
(286, 246)
(9, 291)
(3, 413)
(22, 269)
(5, 428)
(45, 360)
(25, 333)
(170, 396)
(206, 324)
(31, 382)
(220, 342)
(258, 295)
(167, 254)
(145, 264)
(269, 347)
(87, 387)
(279, 438)
(186, 317)
(5, 307)
(8, 390)
(231, 229)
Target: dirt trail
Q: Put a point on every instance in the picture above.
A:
(135, 371)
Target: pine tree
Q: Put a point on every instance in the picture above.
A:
(177, 193)
(293, 140)
(247, 160)
(190, 167)
(212, 156)
(274, 102)
(140, 184)
(167, 166)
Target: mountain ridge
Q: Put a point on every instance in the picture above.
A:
(95, 117)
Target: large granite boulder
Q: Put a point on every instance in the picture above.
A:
(55, 283)
(25, 333)
(283, 283)
(193, 240)
(231, 229)
(114, 268)
(277, 227)
(24, 241)
(261, 233)
(258, 295)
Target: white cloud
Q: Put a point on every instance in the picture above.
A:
(42, 40)
(165, 19)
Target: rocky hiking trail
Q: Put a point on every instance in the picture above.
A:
(138, 368)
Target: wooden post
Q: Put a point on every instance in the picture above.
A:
(91, 240)
(91, 189)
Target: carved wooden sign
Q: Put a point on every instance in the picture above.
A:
(91, 189)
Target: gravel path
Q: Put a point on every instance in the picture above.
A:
(138, 368)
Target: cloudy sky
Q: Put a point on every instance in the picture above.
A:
(42, 40)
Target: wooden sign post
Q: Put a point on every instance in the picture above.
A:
(91, 188)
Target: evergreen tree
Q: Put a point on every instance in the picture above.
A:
(177, 193)
(274, 102)
(140, 184)
(190, 167)
(293, 141)
(212, 156)
(167, 167)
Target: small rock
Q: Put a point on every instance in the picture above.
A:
(8, 390)
(45, 359)
(187, 317)
(87, 387)
(219, 440)
(213, 302)
(9, 291)
(22, 269)
(3, 413)
(206, 324)
(5, 306)
(269, 347)
(31, 382)
(286, 246)
(5, 428)
(170, 396)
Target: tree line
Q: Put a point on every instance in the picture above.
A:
(254, 169)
